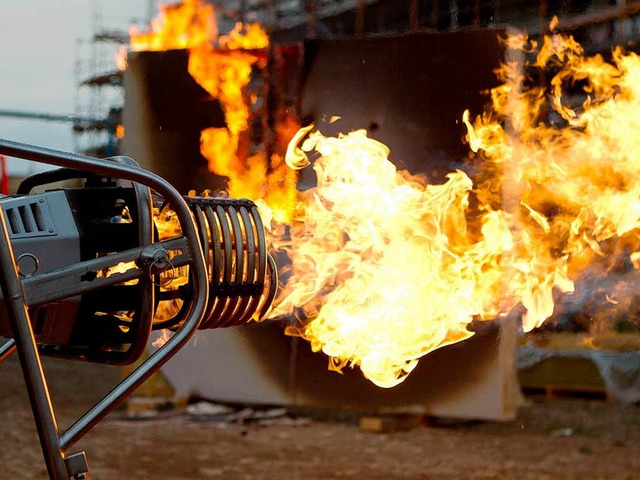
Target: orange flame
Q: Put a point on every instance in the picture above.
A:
(222, 65)
(387, 268)
(121, 58)
(584, 166)
(184, 25)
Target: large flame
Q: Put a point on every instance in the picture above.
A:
(388, 267)
(572, 153)
(222, 65)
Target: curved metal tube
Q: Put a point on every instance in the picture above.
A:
(234, 243)
(7, 349)
(200, 286)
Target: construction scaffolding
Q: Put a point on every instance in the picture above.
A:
(99, 92)
(597, 24)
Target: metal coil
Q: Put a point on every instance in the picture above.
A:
(242, 275)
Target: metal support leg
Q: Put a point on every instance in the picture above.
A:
(30, 359)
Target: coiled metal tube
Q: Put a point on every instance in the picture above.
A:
(242, 275)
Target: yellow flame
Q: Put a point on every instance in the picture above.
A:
(222, 65)
(178, 26)
(586, 169)
(577, 168)
(121, 267)
(121, 58)
(387, 267)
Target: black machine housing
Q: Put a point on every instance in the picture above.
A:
(84, 273)
(111, 320)
(58, 228)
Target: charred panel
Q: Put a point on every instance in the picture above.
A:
(165, 110)
(408, 91)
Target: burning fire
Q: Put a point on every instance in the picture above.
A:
(383, 263)
(386, 267)
(222, 65)
(576, 168)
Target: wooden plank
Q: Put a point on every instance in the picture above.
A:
(616, 342)
(390, 423)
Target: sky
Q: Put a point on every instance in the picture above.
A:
(41, 43)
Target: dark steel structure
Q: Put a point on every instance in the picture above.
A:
(597, 24)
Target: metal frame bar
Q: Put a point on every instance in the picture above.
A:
(7, 349)
(27, 348)
(54, 445)
(66, 282)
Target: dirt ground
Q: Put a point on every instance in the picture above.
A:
(551, 439)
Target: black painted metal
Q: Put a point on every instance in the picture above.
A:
(66, 282)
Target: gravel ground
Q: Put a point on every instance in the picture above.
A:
(551, 439)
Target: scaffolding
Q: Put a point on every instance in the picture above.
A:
(597, 24)
(99, 92)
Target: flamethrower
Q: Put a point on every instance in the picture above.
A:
(86, 276)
